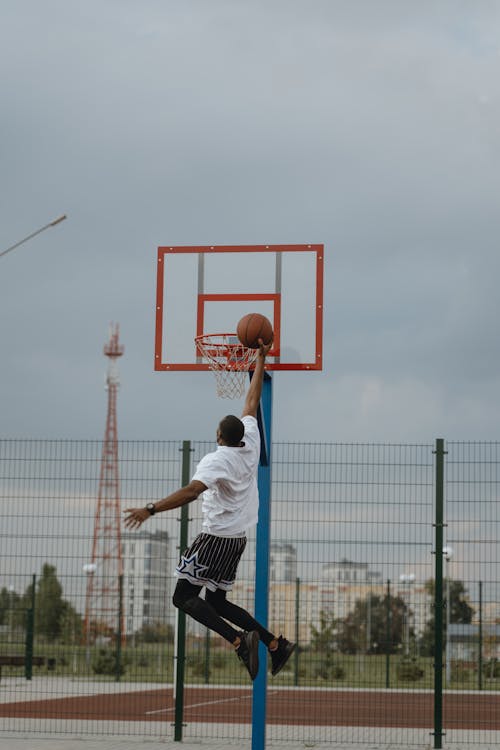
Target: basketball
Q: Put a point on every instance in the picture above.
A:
(253, 327)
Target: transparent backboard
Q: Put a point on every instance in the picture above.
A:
(206, 290)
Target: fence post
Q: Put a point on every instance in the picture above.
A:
(30, 634)
(297, 630)
(207, 656)
(119, 634)
(181, 616)
(438, 595)
(480, 640)
(388, 636)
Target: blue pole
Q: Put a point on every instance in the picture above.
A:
(259, 700)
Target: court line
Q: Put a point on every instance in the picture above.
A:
(206, 703)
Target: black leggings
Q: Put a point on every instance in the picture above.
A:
(214, 610)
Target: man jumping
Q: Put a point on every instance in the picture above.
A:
(227, 481)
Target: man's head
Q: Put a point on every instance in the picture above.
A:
(230, 431)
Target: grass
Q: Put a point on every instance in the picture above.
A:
(153, 663)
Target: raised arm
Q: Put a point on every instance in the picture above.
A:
(255, 388)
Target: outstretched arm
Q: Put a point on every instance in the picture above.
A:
(137, 516)
(255, 389)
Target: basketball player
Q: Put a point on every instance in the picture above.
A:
(227, 480)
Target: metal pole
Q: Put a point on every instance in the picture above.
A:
(297, 630)
(207, 657)
(11, 612)
(259, 700)
(119, 630)
(30, 634)
(447, 643)
(448, 554)
(480, 639)
(89, 570)
(388, 637)
(181, 616)
(438, 598)
(368, 622)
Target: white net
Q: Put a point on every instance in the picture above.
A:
(229, 360)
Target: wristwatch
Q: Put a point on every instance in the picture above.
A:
(151, 508)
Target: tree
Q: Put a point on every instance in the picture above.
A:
(9, 607)
(71, 624)
(324, 643)
(460, 612)
(324, 639)
(49, 604)
(372, 612)
(55, 618)
(4, 605)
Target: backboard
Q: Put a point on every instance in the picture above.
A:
(208, 289)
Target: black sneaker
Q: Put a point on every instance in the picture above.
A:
(248, 652)
(280, 656)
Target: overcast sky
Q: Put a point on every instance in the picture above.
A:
(371, 127)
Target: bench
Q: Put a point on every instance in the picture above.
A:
(19, 661)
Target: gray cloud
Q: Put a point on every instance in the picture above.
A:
(371, 129)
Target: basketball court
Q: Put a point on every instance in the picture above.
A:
(292, 706)
(297, 717)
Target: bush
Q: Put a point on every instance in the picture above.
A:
(409, 670)
(105, 663)
(218, 661)
(198, 668)
(156, 632)
(461, 671)
(334, 672)
(142, 660)
(329, 670)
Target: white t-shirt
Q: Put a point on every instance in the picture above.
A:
(231, 503)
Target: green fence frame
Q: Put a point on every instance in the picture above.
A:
(344, 496)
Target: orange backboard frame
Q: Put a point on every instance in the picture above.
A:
(162, 362)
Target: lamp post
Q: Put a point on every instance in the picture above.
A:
(11, 608)
(89, 569)
(368, 621)
(407, 579)
(448, 554)
(34, 234)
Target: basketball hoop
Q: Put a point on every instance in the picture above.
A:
(229, 360)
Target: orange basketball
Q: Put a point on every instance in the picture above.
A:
(253, 327)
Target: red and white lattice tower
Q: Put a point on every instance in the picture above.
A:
(103, 605)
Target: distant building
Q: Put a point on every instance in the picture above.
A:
(282, 563)
(464, 642)
(348, 572)
(293, 607)
(343, 583)
(491, 613)
(147, 579)
(417, 598)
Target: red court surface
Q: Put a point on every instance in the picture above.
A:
(293, 706)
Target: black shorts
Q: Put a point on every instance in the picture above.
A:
(212, 561)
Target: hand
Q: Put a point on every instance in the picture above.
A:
(264, 348)
(136, 517)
